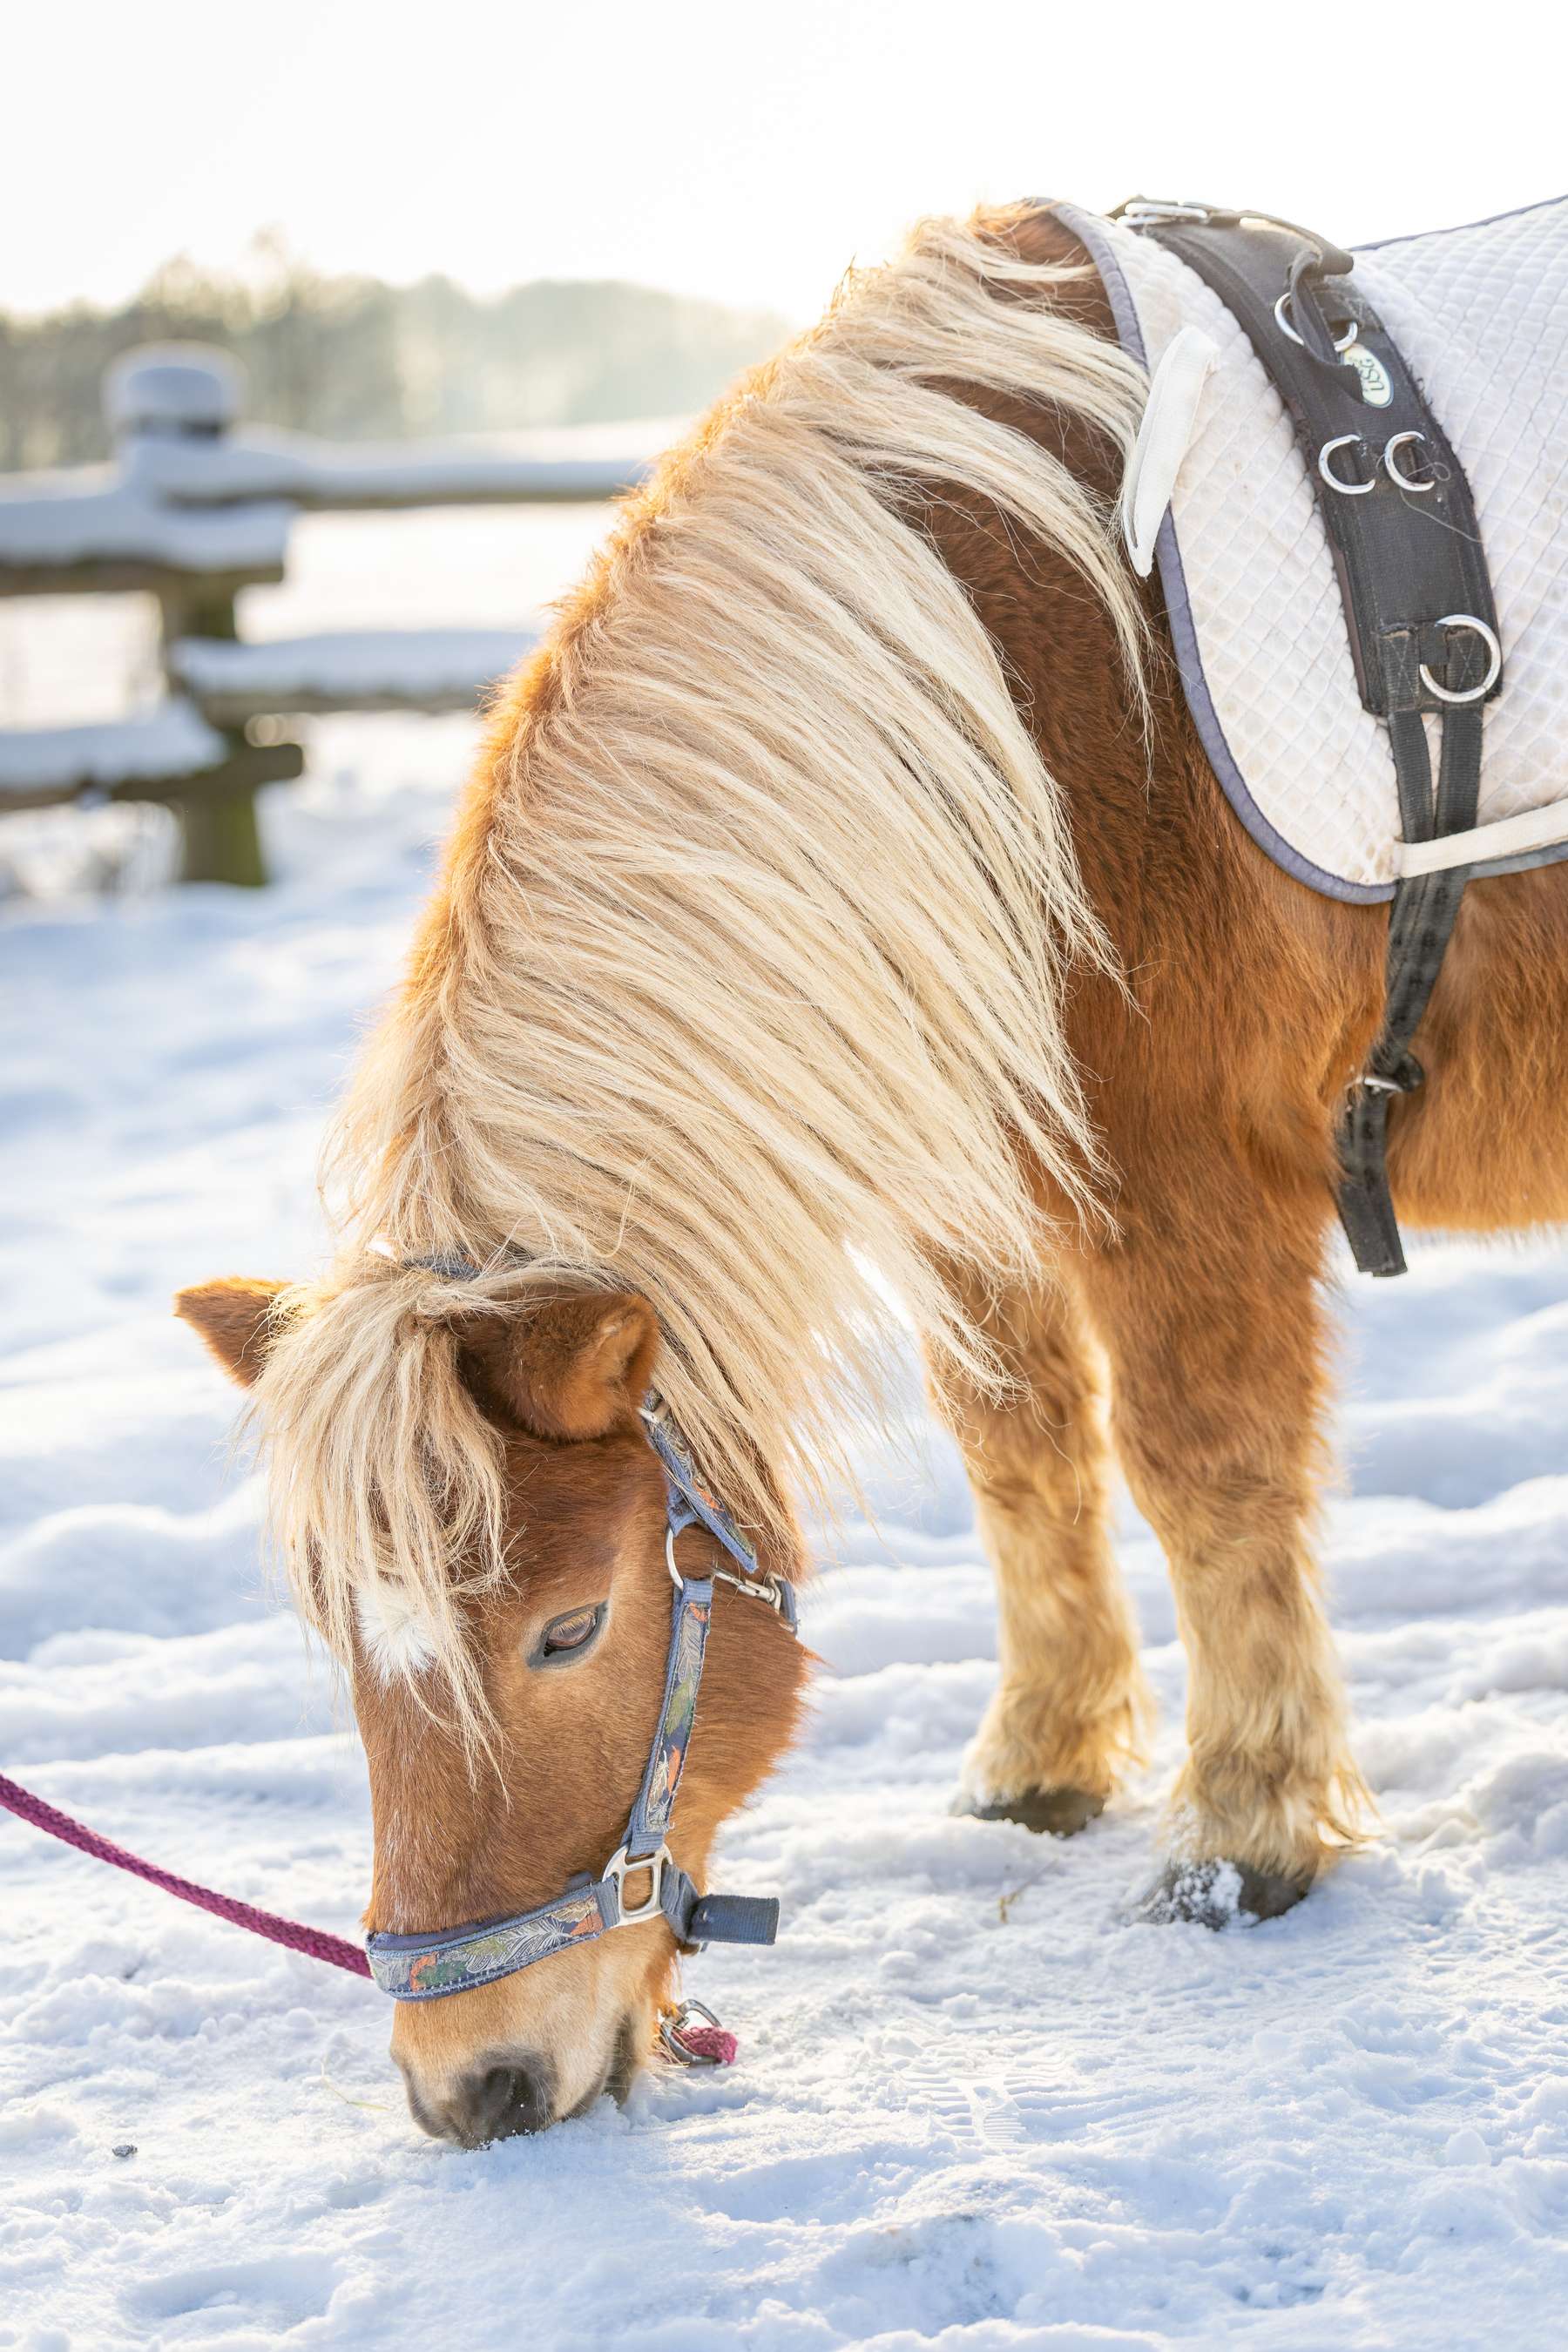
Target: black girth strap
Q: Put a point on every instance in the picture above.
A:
(1407, 552)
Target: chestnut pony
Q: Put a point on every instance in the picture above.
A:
(844, 912)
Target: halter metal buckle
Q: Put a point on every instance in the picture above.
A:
(656, 1865)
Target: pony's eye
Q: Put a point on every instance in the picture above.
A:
(567, 1637)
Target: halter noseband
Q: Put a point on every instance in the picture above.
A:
(428, 1968)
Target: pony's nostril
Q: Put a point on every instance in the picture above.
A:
(504, 2100)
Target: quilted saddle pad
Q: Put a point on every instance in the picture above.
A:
(1481, 316)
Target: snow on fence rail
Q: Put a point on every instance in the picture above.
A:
(320, 475)
(364, 669)
(193, 510)
(168, 754)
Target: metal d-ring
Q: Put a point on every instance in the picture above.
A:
(1341, 342)
(1396, 473)
(1494, 661)
(1345, 490)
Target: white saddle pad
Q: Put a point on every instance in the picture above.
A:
(1481, 317)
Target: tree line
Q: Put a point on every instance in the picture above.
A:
(353, 358)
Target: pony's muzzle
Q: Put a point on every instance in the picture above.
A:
(498, 2100)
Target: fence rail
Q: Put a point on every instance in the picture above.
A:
(168, 754)
(193, 509)
(384, 669)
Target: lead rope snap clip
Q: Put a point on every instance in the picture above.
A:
(691, 2044)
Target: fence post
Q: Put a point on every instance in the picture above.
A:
(174, 391)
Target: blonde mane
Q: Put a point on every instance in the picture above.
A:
(742, 986)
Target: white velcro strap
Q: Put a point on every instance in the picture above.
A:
(1164, 438)
(1511, 836)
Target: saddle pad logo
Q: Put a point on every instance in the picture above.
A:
(1377, 386)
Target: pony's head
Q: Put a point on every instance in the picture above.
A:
(744, 990)
(508, 1670)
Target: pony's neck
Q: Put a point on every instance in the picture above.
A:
(742, 989)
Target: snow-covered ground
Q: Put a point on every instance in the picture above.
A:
(973, 2109)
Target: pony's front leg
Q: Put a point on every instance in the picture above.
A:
(1070, 1707)
(1211, 1320)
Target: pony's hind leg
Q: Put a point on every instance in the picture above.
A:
(1211, 1318)
(1070, 1707)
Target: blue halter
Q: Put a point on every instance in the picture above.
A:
(428, 1968)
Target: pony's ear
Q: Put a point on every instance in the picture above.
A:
(234, 1316)
(569, 1367)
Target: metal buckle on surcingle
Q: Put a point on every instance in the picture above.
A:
(1148, 212)
(1404, 1080)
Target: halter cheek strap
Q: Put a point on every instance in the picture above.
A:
(428, 1968)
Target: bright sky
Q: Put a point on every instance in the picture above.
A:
(724, 147)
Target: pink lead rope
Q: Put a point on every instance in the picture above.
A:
(314, 1941)
(688, 2042)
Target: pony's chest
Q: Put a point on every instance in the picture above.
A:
(1481, 316)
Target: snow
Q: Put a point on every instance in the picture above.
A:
(975, 2110)
(173, 388)
(223, 502)
(172, 739)
(266, 462)
(99, 514)
(350, 670)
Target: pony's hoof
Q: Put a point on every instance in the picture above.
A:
(1217, 1894)
(1053, 1812)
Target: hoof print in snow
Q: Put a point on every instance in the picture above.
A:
(1055, 1813)
(1220, 1894)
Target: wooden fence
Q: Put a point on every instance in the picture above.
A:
(193, 509)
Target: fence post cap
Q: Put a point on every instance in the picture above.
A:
(173, 389)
